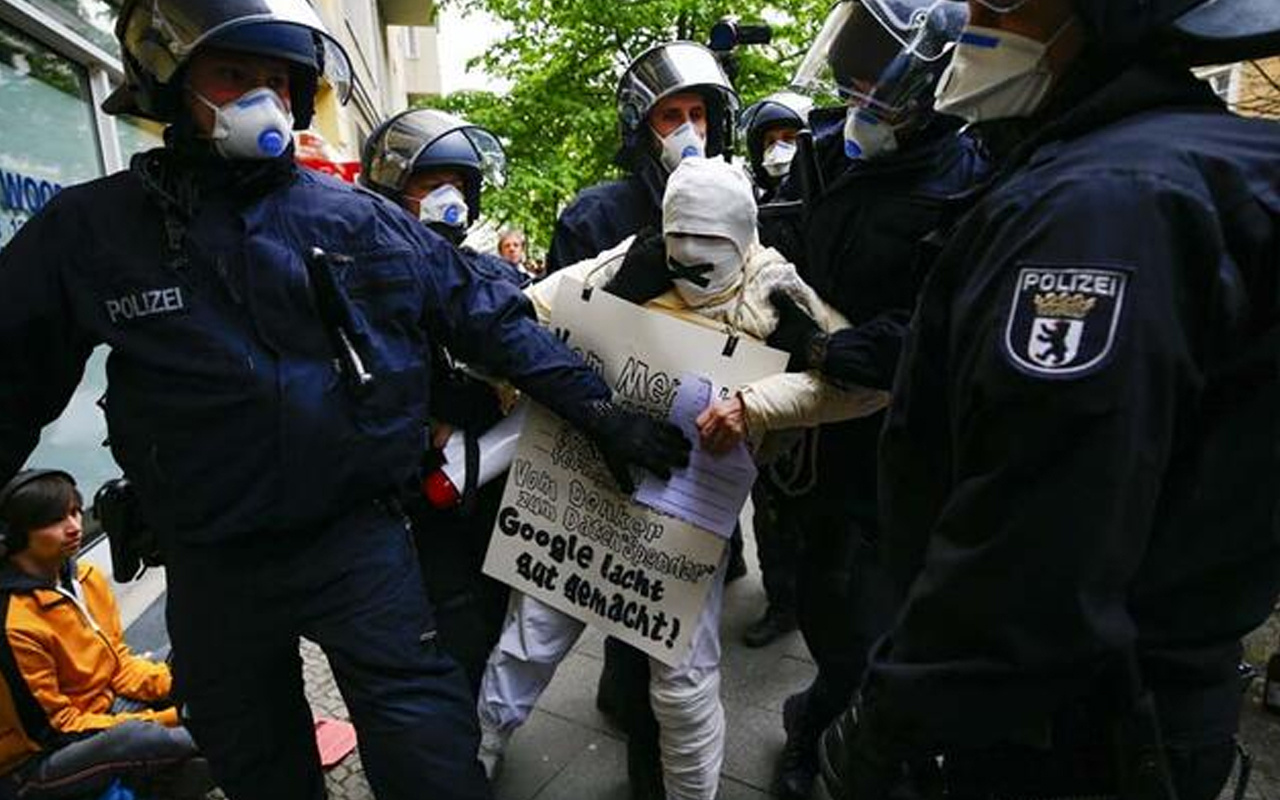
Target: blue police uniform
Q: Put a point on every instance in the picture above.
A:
(494, 267)
(452, 543)
(865, 254)
(1082, 448)
(602, 216)
(263, 472)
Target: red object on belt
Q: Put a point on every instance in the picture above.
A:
(440, 491)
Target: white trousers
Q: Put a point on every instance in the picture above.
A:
(686, 699)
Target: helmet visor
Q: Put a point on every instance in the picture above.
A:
(666, 70)
(861, 39)
(162, 34)
(407, 136)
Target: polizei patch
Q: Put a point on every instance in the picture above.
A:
(1063, 321)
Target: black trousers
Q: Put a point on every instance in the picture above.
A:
(236, 612)
(846, 602)
(777, 544)
(469, 606)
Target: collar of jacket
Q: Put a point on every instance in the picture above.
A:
(1094, 96)
(244, 180)
(653, 177)
(919, 151)
(14, 581)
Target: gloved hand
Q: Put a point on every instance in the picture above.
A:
(628, 439)
(853, 764)
(643, 274)
(797, 334)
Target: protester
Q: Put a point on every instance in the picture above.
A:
(1080, 462)
(80, 709)
(769, 127)
(268, 386)
(708, 267)
(674, 100)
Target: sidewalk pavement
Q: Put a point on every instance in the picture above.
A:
(567, 751)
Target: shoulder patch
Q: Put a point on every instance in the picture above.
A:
(1062, 321)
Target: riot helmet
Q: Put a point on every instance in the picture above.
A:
(158, 38)
(1199, 31)
(423, 139)
(883, 58)
(665, 70)
(780, 110)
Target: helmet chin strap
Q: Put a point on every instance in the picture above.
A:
(452, 233)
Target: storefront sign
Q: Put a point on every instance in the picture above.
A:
(565, 534)
(21, 196)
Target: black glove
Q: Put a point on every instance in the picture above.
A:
(797, 334)
(643, 274)
(628, 439)
(853, 764)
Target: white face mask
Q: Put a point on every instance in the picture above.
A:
(680, 144)
(445, 205)
(996, 74)
(256, 125)
(866, 136)
(778, 157)
(702, 268)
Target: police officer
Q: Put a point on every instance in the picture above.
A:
(674, 101)
(267, 392)
(769, 128)
(891, 173)
(435, 165)
(1081, 461)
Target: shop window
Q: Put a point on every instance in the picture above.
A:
(95, 20)
(47, 138)
(47, 142)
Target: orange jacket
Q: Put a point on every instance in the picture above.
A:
(64, 662)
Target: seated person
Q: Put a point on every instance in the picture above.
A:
(707, 267)
(78, 710)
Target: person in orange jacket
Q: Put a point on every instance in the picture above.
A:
(78, 709)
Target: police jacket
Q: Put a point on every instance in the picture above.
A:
(1081, 458)
(602, 216)
(65, 662)
(866, 254)
(224, 404)
(495, 267)
(865, 249)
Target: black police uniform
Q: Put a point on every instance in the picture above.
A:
(1080, 464)
(865, 255)
(600, 217)
(262, 467)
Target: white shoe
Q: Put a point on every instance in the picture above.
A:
(493, 745)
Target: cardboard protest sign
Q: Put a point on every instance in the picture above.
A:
(565, 534)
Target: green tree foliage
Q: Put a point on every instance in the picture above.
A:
(563, 60)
